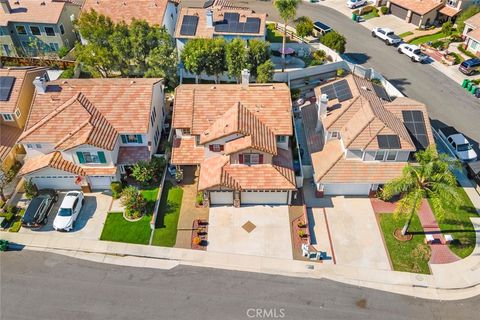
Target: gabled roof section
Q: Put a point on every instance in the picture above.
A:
(52, 160)
(153, 11)
(239, 120)
(23, 79)
(198, 106)
(8, 138)
(74, 123)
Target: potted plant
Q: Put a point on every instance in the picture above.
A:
(196, 241)
(301, 224)
(179, 175)
(200, 231)
(301, 233)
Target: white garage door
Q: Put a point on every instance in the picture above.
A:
(100, 182)
(221, 197)
(346, 189)
(56, 182)
(262, 197)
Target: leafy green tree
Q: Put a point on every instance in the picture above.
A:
(143, 39)
(465, 14)
(163, 60)
(265, 72)
(447, 28)
(236, 57)
(143, 172)
(334, 41)
(194, 57)
(134, 202)
(431, 178)
(30, 189)
(288, 11)
(120, 43)
(215, 57)
(304, 27)
(258, 53)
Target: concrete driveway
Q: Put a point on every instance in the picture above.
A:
(355, 234)
(270, 236)
(89, 224)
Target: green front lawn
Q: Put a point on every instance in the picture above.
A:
(457, 223)
(118, 229)
(405, 34)
(275, 36)
(408, 256)
(165, 234)
(370, 15)
(429, 38)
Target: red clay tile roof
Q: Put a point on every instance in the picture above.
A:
(419, 6)
(32, 11)
(474, 34)
(357, 171)
(8, 139)
(474, 21)
(52, 160)
(100, 171)
(203, 31)
(184, 152)
(74, 123)
(239, 120)
(211, 171)
(125, 103)
(153, 11)
(198, 106)
(131, 155)
(21, 75)
(449, 11)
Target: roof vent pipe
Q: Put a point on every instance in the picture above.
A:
(5, 6)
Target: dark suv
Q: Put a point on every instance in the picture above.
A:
(38, 209)
(469, 66)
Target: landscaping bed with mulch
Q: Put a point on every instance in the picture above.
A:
(199, 235)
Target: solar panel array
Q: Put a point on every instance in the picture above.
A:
(208, 3)
(381, 92)
(6, 86)
(231, 24)
(389, 141)
(415, 123)
(339, 90)
(189, 25)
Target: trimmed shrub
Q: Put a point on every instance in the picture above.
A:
(134, 202)
(384, 10)
(30, 189)
(17, 224)
(116, 187)
(340, 72)
(9, 212)
(334, 41)
(466, 52)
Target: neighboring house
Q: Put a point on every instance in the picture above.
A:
(239, 136)
(85, 133)
(155, 12)
(16, 93)
(219, 18)
(356, 140)
(50, 22)
(471, 32)
(426, 12)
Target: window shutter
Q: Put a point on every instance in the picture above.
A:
(221, 147)
(210, 147)
(139, 138)
(81, 159)
(101, 157)
(260, 158)
(240, 158)
(124, 138)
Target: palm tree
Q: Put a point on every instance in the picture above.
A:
(430, 178)
(288, 11)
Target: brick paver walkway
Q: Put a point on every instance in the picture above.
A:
(440, 251)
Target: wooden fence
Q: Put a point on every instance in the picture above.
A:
(39, 62)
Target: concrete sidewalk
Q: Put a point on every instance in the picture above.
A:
(440, 285)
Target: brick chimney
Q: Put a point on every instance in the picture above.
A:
(5, 6)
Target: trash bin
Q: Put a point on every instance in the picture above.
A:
(354, 16)
(477, 93)
(469, 86)
(3, 245)
(465, 83)
(473, 89)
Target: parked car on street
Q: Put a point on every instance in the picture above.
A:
(37, 211)
(69, 211)
(412, 51)
(320, 28)
(469, 66)
(458, 144)
(473, 171)
(387, 35)
(352, 4)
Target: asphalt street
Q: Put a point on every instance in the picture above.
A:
(447, 102)
(39, 285)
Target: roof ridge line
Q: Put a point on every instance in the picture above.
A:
(276, 166)
(71, 134)
(345, 109)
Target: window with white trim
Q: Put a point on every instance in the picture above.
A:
(91, 157)
(7, 116)
(50, 31)
(29, 146)
(185, 132)
(38, 146)
(380, 156)
(392, 155)
(251, 158)
(21, 29)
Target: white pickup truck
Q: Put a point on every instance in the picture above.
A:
(387, 35)
(412, 51)
(458, 144)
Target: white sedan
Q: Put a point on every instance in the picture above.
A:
(352, 4)
(69, 211)
(412, 51)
